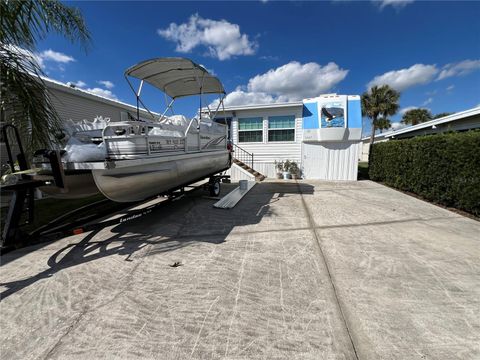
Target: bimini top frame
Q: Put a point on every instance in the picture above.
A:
(176, 77)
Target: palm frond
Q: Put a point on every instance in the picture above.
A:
(23, 23)
(378, 103)
(26, 102)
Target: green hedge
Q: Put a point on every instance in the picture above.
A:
(443, 168)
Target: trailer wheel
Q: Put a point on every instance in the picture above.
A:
(214, 187)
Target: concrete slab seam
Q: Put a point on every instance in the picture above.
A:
(319, 247)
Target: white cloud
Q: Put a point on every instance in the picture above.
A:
(78, 83)
(103, 93)
(241, 97)
(42, 58)
(290, 82)
(402, 79)
(55, 56)
(28, 55)
(397, 4)
(222, 39)
(460, 68)
(408, 108)
(296, 81)
(106, 83)
(397, 125)
(428, 101)
(420, 74)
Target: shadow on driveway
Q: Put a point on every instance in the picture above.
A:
(169, 227)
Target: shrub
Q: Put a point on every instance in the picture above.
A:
(443, 168)
(279, 166)
(294, 169)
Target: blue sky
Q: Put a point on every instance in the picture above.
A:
(284, 51)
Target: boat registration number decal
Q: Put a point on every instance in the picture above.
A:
(166, 144)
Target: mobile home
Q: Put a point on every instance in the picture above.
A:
(322, 134)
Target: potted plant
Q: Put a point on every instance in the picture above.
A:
(286, 169)
(295, 170)
(279, 168)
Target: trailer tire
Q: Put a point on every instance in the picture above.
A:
(214, 187)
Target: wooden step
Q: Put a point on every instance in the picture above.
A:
(258, 176)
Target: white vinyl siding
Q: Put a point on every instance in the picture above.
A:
(265, 152)
(75, 105)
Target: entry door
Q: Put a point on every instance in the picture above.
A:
(314, 163)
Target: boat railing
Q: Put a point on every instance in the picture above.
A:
(137, 135)
(188, 130)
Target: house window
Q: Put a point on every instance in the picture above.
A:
(250, 130)
(281, 128)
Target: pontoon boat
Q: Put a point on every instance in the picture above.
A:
(139, 159)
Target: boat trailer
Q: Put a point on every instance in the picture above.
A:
(23, 200)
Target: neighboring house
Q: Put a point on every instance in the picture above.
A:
(75, 104)
(460, 121)
(321, 134)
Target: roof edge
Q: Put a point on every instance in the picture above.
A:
(84, 93)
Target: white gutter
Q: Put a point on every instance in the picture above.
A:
(263, 106)
(428, 124)
(431, 123)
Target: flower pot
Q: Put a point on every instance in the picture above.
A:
(279, 175)
(286, 175)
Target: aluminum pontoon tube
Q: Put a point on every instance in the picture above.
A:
(135, 180)
(78, 184)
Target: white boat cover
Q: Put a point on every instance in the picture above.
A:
(176, 77)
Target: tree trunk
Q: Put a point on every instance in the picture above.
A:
(372, 138)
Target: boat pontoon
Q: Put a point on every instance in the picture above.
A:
(137, 159)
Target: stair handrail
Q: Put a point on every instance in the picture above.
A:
(243, 155)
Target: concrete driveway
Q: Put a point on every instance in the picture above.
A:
(314, 270)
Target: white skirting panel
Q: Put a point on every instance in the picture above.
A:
(237, 173)
(265, 168)
(330, 161)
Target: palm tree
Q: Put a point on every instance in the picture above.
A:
(416, 116)
(383, 124)
(25, 100)
(379, 102)
(438, 116)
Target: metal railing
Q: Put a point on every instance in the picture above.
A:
(242, 155)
